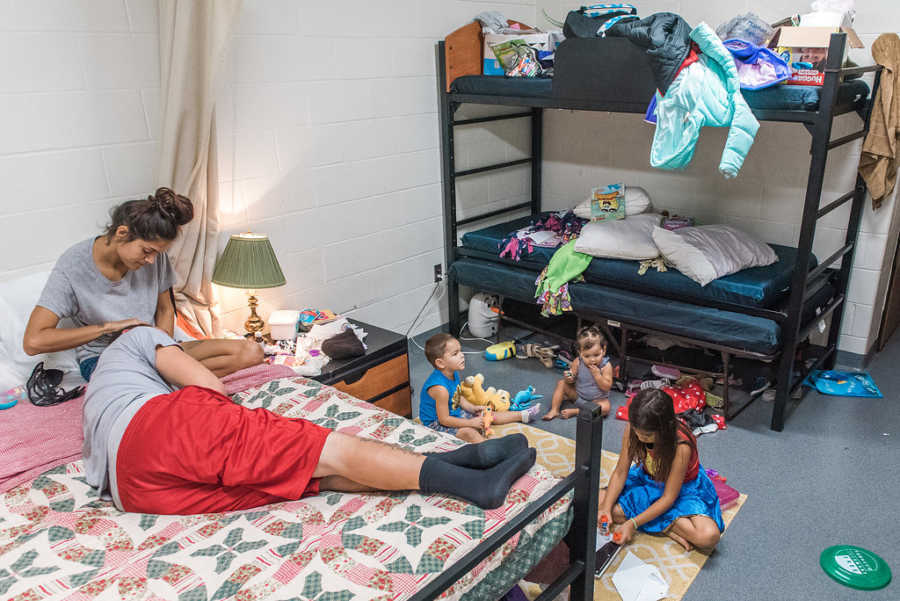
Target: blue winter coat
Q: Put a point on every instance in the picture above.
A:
(706, 93)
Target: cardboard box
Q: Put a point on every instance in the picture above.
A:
(491, 66)
(808, 45)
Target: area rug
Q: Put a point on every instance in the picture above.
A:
(679, 568)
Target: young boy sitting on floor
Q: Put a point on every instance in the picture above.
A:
(445, 354)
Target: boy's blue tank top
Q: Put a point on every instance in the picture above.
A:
(427, 405)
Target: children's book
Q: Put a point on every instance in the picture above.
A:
(608, 202)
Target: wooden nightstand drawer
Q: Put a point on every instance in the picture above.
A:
(377, 380)
(399, 402)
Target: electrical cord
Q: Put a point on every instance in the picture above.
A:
(416, 320)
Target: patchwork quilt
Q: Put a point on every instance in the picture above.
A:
(59, 540)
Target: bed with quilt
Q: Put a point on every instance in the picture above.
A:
(58, 540)
(666, 301)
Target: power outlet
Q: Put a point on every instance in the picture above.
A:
(438, 273)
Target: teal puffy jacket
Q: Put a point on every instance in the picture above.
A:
(707, 92)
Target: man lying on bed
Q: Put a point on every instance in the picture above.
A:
(161, 436)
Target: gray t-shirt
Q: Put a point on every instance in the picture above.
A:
(76, 289)
(124, 380)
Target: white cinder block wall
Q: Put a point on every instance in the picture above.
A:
(79, 114)
(586, 149)
(329, 144)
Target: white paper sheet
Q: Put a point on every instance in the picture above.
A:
(639, 581)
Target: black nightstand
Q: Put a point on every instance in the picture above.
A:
(381, 376)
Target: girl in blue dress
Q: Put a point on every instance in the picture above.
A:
(658, 484)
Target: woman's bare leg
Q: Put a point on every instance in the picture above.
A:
(370, 463)
(223, 357)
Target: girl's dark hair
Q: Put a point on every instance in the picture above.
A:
(588, 336)
(156, 217)
(651, 410)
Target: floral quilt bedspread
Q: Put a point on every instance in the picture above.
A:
(58, 540)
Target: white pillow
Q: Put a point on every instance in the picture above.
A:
(629, 238)
(17, 299)
(637, 201)
(707, 252)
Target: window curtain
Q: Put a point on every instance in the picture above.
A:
(193, 39)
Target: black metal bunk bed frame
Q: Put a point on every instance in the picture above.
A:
(804, 283)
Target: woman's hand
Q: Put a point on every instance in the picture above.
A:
(112, 327)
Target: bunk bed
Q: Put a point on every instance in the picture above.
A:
(762, 313)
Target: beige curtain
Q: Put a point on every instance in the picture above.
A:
(193, 38)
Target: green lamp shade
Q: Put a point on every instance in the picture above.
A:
(248, 261)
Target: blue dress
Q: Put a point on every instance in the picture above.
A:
(697, 497)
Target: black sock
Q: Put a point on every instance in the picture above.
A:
(485, 488)
(485, 454)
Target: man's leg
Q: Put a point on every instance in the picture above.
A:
(223, 357)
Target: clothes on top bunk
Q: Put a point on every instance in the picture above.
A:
(666, 36)
(880, 153)
(566, 265)
(705, 93)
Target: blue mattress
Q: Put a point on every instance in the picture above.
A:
(783, 97)
(744, 332)
(756, 287)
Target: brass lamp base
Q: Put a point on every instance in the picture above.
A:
(254, 323)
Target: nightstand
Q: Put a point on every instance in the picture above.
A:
(381, 376)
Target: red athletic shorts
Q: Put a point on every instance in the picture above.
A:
(196, 451)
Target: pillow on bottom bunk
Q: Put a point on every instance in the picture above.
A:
(708, 252)
(629, 238)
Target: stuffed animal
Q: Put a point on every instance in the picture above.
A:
(472, 389)
(524, 398)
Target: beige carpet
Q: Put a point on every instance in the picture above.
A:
(557, 454)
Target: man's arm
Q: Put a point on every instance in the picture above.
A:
(180, 369)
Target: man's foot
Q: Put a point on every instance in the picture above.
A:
(550, 415)
(485, 454)
(680, 540)
(530, 413)
(567, 413)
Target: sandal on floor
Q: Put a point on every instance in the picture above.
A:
(546, 356)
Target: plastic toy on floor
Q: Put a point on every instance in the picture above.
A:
(524, 398)
(472, 389)
(843, 383)
(487, 417)
(500, 351)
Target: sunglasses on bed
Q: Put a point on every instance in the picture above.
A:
(44, 390)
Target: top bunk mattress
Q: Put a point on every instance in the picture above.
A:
(754, 287)
(783, 97)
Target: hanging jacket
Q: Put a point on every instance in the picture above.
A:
(665, 36)
(705, 93)
(881, 150)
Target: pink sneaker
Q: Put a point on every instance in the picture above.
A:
(668, 373)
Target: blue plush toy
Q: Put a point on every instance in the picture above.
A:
(524, 398)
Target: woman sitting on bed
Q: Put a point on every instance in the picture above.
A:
(161, 436)
(122, 279)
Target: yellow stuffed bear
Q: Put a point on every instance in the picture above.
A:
(472, 389)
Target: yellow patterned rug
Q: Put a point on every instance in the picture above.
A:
(679, 568)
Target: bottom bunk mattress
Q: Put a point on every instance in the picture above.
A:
(58, 540)
(704, 324)
(756, 286)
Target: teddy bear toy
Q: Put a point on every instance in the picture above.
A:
(472, 389)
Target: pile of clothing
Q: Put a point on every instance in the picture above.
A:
(689, 399)
(310, 352)
(556, 228)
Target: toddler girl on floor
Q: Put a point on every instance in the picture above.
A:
(658, 484)
(590, 376)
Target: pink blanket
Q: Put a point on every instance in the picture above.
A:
(36, 439)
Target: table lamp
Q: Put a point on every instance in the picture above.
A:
(249, 262)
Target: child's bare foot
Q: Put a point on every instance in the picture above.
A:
(680, 540)
(550, 415)
(567, 413)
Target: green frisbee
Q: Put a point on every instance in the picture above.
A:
(855, 567)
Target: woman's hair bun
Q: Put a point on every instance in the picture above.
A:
(176, 208)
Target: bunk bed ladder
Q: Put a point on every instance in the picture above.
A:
(805, 282)
(449, 174)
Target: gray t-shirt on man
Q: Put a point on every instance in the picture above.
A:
(76, 289)
(124, 380)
